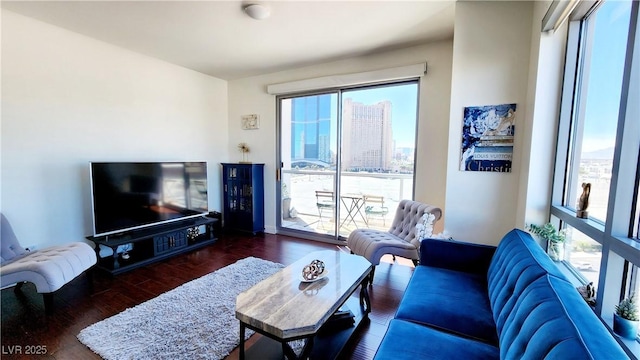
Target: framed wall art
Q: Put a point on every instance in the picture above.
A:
(487, 138)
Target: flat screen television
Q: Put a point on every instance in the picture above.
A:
(133, 195)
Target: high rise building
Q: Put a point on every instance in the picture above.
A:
(367, 136)
(311, 129)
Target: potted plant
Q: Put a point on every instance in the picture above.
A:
(555, 239)
(625, 319)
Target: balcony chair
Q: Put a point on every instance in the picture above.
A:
(48, 269)
(399, 240)
(374, 206)
(325, 201)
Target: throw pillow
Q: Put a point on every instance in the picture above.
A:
(424, 228)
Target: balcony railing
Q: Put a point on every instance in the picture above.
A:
(305, 213)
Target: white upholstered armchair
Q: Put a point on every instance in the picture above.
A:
(48, 269)
(399, 240)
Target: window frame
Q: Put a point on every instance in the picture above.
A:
(340, 90)
(616, 234)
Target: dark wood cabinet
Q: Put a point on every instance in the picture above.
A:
(243, 197)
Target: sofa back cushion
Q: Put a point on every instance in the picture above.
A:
(517, 262)
(408, 214)
(9, 246)
(551, 320)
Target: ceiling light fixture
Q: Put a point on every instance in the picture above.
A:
(257, 11)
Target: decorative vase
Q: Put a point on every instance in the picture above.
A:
(627, 329)
(286, 208)
(556, 251)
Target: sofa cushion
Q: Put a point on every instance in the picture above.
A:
(456, 255)
(517, 262)
(551, 320)
(408, 214)
(451, 300)
(406, 340)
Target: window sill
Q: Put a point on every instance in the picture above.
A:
(631, 347)
(566, 270)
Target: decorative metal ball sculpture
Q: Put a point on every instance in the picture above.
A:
(313, 270)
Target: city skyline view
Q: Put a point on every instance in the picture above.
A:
(378, 127)
(597, 109)
(376, 142)
(404, 100)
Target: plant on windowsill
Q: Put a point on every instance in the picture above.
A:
(625, 318)
(555, 239)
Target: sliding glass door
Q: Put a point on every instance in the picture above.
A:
(309, 144)
(347, 158)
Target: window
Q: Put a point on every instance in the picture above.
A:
(599, 144)
(584, 254)
(601, 58)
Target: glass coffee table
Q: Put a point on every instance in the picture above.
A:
(323, 313)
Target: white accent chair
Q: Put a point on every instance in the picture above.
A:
(48, 269)
(399, 240)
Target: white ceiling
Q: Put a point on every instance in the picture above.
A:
(217, 38)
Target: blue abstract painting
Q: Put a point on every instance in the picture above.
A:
(487, 138)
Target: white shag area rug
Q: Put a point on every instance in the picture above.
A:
(193, 321)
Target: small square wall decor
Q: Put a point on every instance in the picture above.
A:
(250, 122)
(487, 138)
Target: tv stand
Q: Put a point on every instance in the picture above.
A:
(154, 243)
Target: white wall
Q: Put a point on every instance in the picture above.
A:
(491, 52)
(249, 96)
(68, 99)
(541, 120)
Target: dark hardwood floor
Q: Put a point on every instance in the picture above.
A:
(77, 306)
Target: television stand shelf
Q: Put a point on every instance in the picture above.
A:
(154, 243)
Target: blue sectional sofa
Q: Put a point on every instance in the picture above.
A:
(470, 301)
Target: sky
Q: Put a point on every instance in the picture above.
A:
(606, 73)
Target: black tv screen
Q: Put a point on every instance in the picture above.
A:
(132, 195)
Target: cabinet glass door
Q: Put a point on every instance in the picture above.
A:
(238, 193)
